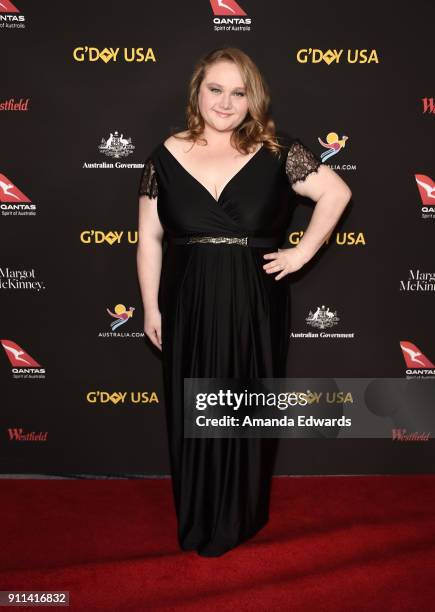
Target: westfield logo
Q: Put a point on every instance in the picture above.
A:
(428, 106)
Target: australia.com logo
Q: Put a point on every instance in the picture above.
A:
(11, 17)
(333, 145)
(22, 364)
(118, 323)
(12, 200)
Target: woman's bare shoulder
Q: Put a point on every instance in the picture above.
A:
(175, 144)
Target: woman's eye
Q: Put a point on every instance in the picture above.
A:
(238, 93)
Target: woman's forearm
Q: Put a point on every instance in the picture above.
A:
(325, 217)
(149, 267)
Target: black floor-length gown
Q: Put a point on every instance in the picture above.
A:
(222, 316)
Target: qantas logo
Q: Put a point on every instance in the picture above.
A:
(7, 7)
(17, 356)
(10, 17)
(226, 7)
(23, 365)
(426, 189)
(10, 192)
(12, 200)
(228, 16)
(416, 361)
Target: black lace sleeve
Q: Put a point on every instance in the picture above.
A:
(148, 181)
(300, 162)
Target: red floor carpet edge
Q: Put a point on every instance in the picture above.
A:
(332, 543)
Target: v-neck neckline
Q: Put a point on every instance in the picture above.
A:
(227, 184)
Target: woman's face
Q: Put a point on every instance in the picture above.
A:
(222, 98)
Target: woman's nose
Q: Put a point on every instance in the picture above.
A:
(226, 102)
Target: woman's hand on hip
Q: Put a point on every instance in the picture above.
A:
(284, 261)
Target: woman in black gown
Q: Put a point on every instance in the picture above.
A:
(212, 303)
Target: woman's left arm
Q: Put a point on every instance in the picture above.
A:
(331, 195)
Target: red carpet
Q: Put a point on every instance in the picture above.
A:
(332, 544)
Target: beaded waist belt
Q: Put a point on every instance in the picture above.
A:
(243, 240)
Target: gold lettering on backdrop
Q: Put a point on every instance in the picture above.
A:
(353, 56)
(340, 238)
(112, 54)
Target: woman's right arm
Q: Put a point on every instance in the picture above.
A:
(149, 266)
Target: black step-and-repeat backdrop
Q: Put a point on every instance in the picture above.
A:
(87, 91)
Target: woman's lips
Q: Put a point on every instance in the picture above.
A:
(222, 114)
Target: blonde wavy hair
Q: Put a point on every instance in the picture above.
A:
(258, 125)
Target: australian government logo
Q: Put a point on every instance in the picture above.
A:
(115, 145)
(322, 318)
